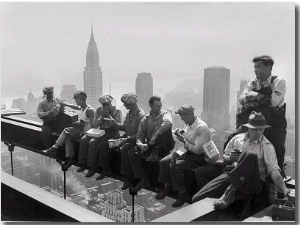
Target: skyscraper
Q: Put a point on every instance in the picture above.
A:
(92, 75)
(216, 98)
(144, 90)
(67, 93)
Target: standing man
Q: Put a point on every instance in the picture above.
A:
(80, 127)
(251, 167)
(47, 111)
(154, 140)
(172, 167)
(130, 126)
(265, 94)
(89, 147)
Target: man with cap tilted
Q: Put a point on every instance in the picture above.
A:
(88, 150)
(130, 126)
(47, 111)
(256, 161)
(171, 174)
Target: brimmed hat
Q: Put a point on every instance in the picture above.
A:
(256, 120)
(47, 90)
(129, 98)
(186, 110)
(105, 98)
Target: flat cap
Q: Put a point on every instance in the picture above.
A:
(47, 90)
(186, 110)
(105, 98)
(129, 98)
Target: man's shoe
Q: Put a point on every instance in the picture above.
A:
(164, 193)
(154, 157)
(90, 173)
(143, 183)
(181, 199)
(81, 169)
(226, 199)
(70, 162)
(103, 175)
(52, 150)
(126, 185)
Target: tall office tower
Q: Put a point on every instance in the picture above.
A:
(216, 98)
(31, 104)
(290, 142)
(243, 84)
(67, 93)
(144, 90)
(92, 75)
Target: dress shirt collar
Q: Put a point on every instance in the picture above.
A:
(256, 141)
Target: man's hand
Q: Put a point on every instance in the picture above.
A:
(233, 157)
(152, 140)
(181, 138)
(143, 147)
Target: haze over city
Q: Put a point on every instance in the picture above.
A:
(45, 43)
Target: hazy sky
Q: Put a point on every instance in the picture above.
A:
(46, 43)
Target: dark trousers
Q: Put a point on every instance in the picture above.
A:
(125, 161)
(244, 178)
(47, 128)
(173, 173)
(88, 150)
(205, 174)
(104, 155)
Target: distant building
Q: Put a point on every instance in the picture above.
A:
(92, 75)
(19, 103)
(290, 142)
(144, 90)
(67, 93)
(31, 104)
(216, 98)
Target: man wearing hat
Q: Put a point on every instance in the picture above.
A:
(88, 150)
(47, 111)
(251, 167)
(130, 126)
(172, 167)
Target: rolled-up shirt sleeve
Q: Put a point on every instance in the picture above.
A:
(249, 87)
(202, 136)
(270, 158)
(141, 133)
(277, 97)
(166, 124)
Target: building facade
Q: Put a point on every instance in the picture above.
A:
(92, 75)
(144, 90)
(216, 98)
(67, 93)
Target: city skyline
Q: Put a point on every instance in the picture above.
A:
(160, 42)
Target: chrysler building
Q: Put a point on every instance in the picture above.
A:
(92, 75)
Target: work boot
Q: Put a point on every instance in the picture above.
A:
(127, 184)
(70, 162)
(143, 183)
(181, 199)
(82, 168)
(91, 172)
(226, 199)
(162, 194)
(52, 150)
(103, 175)
(154, 157)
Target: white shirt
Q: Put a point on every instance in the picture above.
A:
(196, 135)
(267, 160)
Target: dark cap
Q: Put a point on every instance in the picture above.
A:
(186, 110)
(105, 98)
(129, 98)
